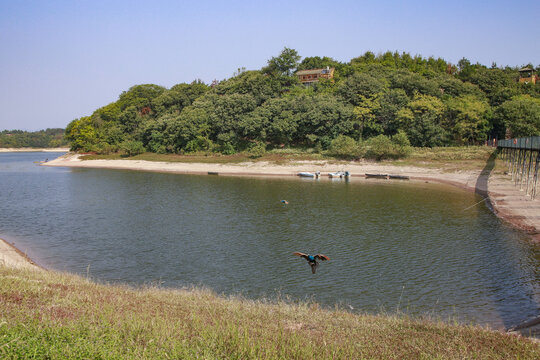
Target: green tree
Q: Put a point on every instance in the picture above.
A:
(359, 87)
(390, 102)
(254, 83)
(81, 134)
(521, 115)
(139, 96)
(413, 84)
(422, 121)
(178, 97)
(365, 114)
(284, 64)
(467, 118)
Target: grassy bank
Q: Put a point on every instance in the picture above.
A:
(475, 156)
(60, 316)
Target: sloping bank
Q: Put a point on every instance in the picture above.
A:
(52, 315)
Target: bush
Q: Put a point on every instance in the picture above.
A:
(200, 143)
(345, 147)
(228, 149)
(402, 145)
(104, 148)
(132, 147)
(380, 147)
(257, 150)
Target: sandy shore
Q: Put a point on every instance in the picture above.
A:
(505, 199)
(463, 179)
(34, 149)
(13, 257)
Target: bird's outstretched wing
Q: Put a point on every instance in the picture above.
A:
(305, 256)
(321, 257)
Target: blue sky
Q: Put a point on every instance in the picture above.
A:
(61, 59)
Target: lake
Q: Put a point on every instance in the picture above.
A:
(402, 246)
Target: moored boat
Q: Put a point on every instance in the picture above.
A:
(399, 177)
(309, 174)
(339, 174)
(378, 176)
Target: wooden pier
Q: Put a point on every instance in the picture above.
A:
(522, 156)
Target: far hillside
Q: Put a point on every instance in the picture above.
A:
(49, 138)
(318, 103)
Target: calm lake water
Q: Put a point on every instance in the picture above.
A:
(393, 245)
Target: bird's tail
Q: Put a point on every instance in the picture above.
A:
(313, 268)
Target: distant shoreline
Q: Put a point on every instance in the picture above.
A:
(3, 150)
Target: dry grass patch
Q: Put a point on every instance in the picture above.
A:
(448, 159)
(53, 315)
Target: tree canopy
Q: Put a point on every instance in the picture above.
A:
(427, 101)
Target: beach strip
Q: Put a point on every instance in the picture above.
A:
(10, 256)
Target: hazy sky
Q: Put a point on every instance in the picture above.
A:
(62, 59)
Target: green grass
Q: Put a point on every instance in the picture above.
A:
(50, 315)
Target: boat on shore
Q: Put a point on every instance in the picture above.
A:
(377, 176)
(339, 174)
(386, 176)
(309, 174)
(398, 177)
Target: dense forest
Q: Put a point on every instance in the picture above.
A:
(49, 138)
(389, 98)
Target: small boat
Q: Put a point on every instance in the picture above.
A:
(309, 174)
(398, 177)
(339, 174)
(378, 176)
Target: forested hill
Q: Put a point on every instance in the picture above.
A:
(429, 101)
(49, 138)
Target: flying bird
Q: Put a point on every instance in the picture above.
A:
(312, 259)
(284, 202)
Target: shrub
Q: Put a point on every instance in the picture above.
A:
(132, 147)
(402, 145)
(104, 148)
(200, 143)
(228, 149)
(380, 147)
(257, 150)
(344, 147)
